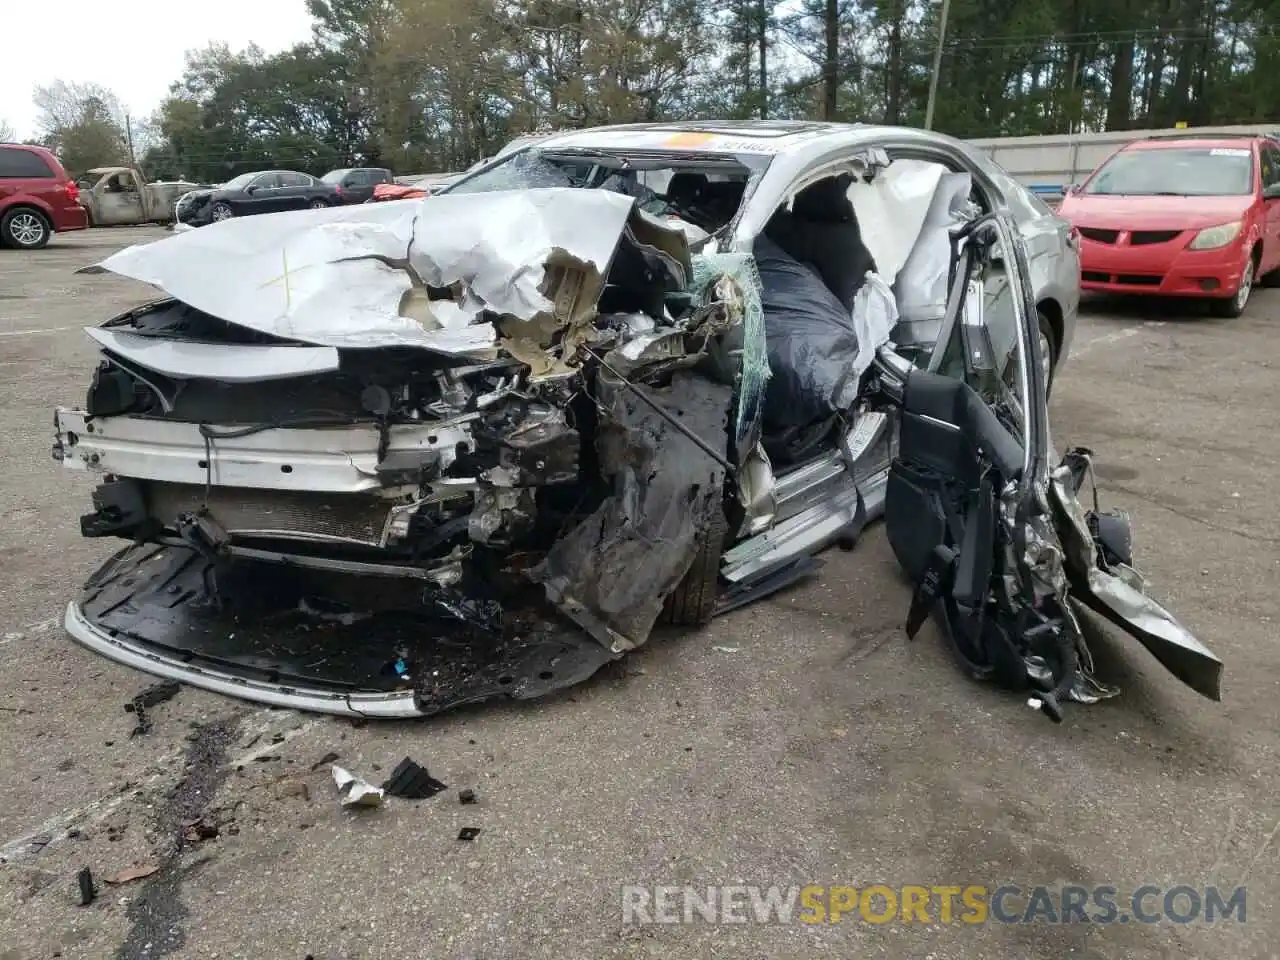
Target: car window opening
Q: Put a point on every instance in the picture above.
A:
(702, 191)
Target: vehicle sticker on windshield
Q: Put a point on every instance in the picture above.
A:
(689, 138)
(1228, 152)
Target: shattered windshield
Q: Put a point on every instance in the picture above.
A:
(528, 170)
(703, 190)
(1181, 172)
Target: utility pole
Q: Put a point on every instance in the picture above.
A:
(937, 64)
(128, 135)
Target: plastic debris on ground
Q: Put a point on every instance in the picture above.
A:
(468, 833)
(412, 782)
(468, 796)
(138, 871)
(84, 879)
(152, 696)
(324, 761)
(354, 791)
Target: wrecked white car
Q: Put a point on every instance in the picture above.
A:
(387, 459)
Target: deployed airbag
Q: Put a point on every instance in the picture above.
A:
(892, 209)
(812, 343)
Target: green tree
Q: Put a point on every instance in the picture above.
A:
(83, 123)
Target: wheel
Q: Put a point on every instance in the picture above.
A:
(317, 204)
(221, 211)
(25, 228)
(693, 602)
(1048, 349)
(1234, 306)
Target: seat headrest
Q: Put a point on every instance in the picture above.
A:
(826, 201)
(686, 187)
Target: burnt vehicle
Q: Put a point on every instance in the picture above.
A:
(391, 458)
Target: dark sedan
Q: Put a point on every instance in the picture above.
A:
(356, 184)
(269, 191)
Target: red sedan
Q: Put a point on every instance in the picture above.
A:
(397, 191)
(1182, 216)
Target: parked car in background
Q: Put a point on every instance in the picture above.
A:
(115, 196)
(356, 184)
(1184, 216)
(37, 197)
(269, 191)
(398, 191)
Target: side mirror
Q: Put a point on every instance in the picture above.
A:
(251, 188)
(1070, 188)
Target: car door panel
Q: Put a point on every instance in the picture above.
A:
(258, 196)
(993, 534)
(1271, 209)
(296, 191)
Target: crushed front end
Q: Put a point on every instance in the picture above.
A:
(491, 494)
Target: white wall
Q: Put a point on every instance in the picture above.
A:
(1069, 158)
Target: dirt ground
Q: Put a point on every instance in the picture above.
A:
(800, 741)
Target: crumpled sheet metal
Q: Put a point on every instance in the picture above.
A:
(338, 277)
(1126, 606)
(611, 572)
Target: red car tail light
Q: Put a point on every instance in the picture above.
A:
(73, 191)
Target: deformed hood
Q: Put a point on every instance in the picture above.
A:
(358, 276)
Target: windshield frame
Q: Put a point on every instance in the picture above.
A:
(1089, 187)
(605, 161)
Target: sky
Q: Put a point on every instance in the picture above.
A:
(134, 49)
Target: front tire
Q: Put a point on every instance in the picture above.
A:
(693, 602)
(1232, 308)
(25, 229)
(1048, 349)
(221, 211)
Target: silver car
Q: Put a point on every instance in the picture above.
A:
(388, 459)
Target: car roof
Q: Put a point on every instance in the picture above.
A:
(31, 147)
(705, 136)
(1195, 142)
